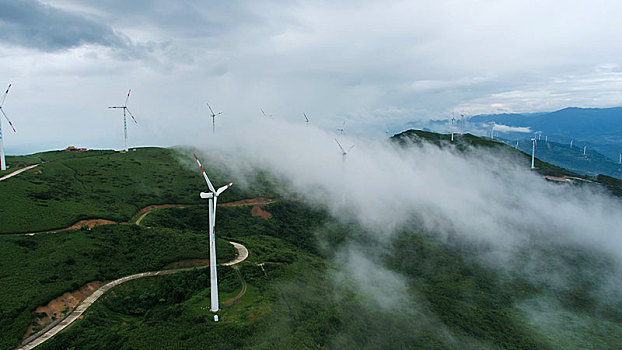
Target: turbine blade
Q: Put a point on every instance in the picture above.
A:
(264, 113)
(7, 119)
(351, 147)
(209, 184)
(219, 113)
(223, 188)
(4, 97)
(128, 96)
(306, 118)
(131, 115)
(342, 150)
(210, 108)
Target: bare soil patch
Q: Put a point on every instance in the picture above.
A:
(252, 201)
(159, 206)
(257, 210)
(60, 306)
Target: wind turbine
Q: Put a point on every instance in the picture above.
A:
(264, 113)
(342, 129)
(584, 149)
(620, 161)
(306, 118)
(452, 127)
(343, 151)
(213, 118)
(125, 112)
(212, 196)
(571, 143)
(492, 131)
(533, 153)
(2, 161)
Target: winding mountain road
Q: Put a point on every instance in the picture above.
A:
(44, 335)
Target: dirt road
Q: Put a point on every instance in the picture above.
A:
(44, 335)
(17, 172)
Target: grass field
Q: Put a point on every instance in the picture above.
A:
(72, 186)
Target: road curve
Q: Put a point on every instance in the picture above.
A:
(16, 172)
(41, 337)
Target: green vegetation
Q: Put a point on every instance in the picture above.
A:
(72, 186)
(300, 296)
(37, 269)
(468, 142)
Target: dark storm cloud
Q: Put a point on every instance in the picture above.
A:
(33, 24)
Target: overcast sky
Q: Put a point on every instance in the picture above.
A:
(375, 64)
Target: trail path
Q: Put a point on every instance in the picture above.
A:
(142, 213)
(46, 334)
(17, 172)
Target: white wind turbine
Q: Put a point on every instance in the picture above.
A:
(342, 129)
(212, 196)
(533, 153)
(343, 151)
(2, 161)
(213, 117)
(492, 131)
(125, 112)
(452, 127)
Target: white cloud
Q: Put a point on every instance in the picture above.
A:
(352, 60)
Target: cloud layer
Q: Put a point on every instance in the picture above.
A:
(374, 64)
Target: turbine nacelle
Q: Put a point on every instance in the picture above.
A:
(206, 195)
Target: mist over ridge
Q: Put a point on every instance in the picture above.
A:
(487, 198)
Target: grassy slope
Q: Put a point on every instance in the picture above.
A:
(468, 142)
(573, 159)
(455, 302)
(97, 184)
(299, 304)
(37, 269)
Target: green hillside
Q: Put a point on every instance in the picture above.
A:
(294, 292)
(71, 186)
(592, 163)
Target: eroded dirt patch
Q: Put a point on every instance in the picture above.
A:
(159, 206)
(60, 306)
(252, 201)
(257, 210)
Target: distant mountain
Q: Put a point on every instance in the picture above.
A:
(598, 128)
(573, 159)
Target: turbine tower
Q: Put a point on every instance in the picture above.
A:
(533, 154)
(125, 112)
(452, 128)
(213, 118)
(2, 161)
(212, 197)
(571, 143)
(492, 131)
(584, 149)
